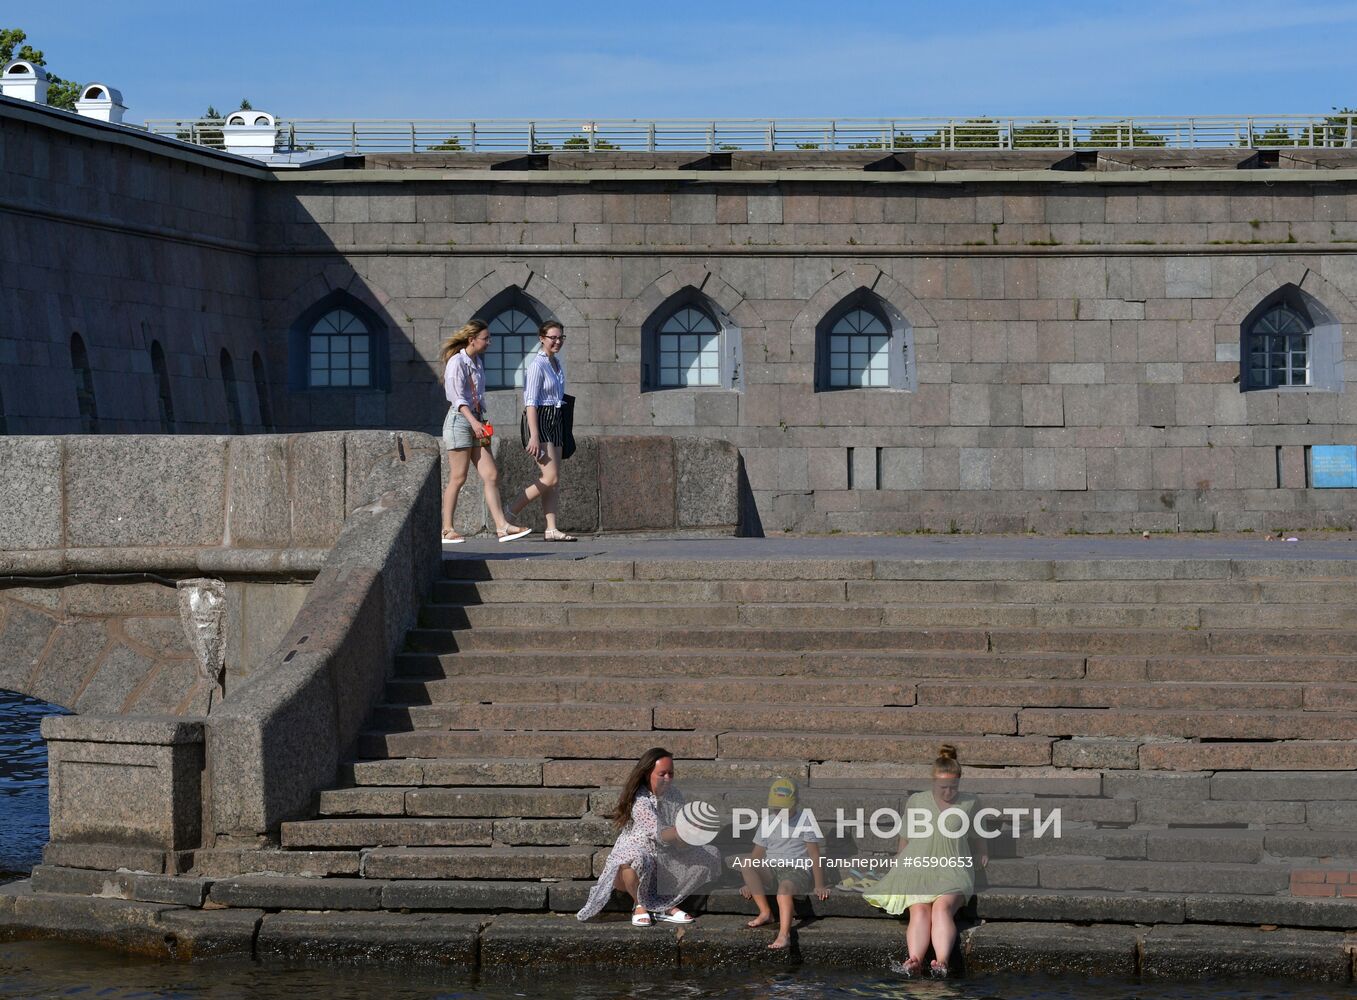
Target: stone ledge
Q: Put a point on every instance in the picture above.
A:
(155, 730)
(716, 941)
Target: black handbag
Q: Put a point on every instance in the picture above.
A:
(567, 427)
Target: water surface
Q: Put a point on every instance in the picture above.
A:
(23, 783)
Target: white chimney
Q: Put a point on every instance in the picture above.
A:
(24, 80)
(250, 133)
(102, 102)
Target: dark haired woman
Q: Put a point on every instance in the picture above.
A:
(648, 845)
(543, 397)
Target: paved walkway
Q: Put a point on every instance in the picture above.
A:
(1008, 547)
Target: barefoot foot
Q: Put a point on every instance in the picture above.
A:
(760, 920)
(779, 942)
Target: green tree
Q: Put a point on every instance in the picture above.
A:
(212, 137)
(449, 145)
(60, 93)
(582, 142)
(1120, 137)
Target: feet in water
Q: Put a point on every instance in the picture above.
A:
(938, 970)
(911, 967)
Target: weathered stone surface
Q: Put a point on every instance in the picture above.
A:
(1199, 952)
(1076, 905)
(277, 892)
(258, 505)
(382, 938)
(197, 934)
(553, 941)
(88, 920)
(471, 862)
(1095, 752)
(636, 483)
(129, 491)
(1097, 950)
(707, 483)
(30, 493)
(1223, 908)
(306, 864)
(330, 833)
(120, 672)
(483, 897)
(104, 857)
(25, 634)
(495, 803)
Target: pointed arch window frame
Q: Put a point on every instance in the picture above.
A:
(299, 346)
(667, 321)
(901, 374)
(1307, 335)
(511, 299)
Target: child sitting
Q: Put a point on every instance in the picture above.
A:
(785, 860)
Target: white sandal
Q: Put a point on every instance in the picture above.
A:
(641, 919)
(512, 533)
(677, 917)
(456, 539)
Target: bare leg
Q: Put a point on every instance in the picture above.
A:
(458, 462)
(785, 908)
(485, 465)
(753, 889)
(944, 928)
(917, 935)
(627, 881)
(545, 487)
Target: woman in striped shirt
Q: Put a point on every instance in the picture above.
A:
(543, 395)
(464, 435)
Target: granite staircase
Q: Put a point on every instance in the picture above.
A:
(1195, 721)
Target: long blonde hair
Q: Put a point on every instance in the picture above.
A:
(470, 331)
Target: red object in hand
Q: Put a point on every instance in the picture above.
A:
(487, 432)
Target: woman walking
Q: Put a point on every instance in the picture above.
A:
(464, 434)
(650, 862)
(543, 397)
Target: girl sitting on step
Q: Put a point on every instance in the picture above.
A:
(933, 876)
(650, 862)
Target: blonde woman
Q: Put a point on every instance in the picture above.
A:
(543, 397)
(934, 875)
(464, 434)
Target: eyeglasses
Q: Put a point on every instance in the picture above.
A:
(560, 336)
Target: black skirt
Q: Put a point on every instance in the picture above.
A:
(550, 426)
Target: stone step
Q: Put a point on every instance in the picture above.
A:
(1082, 614)
(708, 745)
(1235, 755)
(680, 662)
(1331, 593)
(572, 775)
(487, 743)
(1203, 724)
(328, 834)
(474, 802)
(652, 691)
(508, 863)
(666, 639)
(1278, 668)
(567, 716)
(463, 771)
(1106, 694)
(736, 718)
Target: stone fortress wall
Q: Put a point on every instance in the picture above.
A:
(1073, 323)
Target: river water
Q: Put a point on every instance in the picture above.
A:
(40, 969)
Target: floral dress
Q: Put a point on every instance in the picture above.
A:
(666, 873)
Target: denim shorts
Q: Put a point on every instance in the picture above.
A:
(457, 431)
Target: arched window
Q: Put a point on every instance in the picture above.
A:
(84, 386)
(228, 381)
(261, 392)
(1291, 342)
(162, 380)
(338, 344)
(340, 349)
(689, 343)
(513, 319)
(689, 349)
(862, 343)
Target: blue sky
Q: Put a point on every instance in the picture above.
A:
(458, 59)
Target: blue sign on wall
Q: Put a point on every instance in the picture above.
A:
(1333, 465)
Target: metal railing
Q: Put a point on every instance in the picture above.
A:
(750, 134)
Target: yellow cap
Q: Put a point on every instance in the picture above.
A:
(782, 793)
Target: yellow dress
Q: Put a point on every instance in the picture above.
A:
(928, 867)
